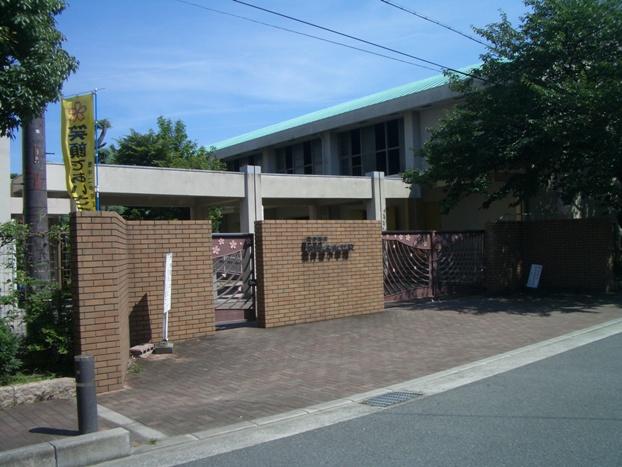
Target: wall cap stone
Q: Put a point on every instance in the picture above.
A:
(57, 388)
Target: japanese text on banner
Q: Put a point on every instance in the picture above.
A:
(78, 142)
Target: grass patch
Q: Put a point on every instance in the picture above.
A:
(134, 369)
(24, 378)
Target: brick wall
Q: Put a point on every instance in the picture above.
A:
(192, 301)
(293, 289)
(118, 281)
(576, 254)
(99, 281)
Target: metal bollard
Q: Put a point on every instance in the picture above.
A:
(85, 393)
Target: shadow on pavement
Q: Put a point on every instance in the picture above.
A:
(518, 304)
(54, 431)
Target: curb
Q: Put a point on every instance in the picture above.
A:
(88, 449)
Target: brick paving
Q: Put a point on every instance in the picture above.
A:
(40, 422)
(245, 373)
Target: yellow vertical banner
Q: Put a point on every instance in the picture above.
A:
(78, 142)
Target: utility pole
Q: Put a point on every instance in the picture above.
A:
(35, 198)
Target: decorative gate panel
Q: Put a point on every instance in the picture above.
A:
(234, 277)
(429, 264)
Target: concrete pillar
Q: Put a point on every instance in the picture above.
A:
(377, 205)
(6, 272)
(312, 210)
(251, 207)
(330, 155)
(412, 141)
(5, 179)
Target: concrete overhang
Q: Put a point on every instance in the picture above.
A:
(56, 206)
(315, 187)
(150, 181)
(147, 186)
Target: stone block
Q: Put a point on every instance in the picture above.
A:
(7, 397)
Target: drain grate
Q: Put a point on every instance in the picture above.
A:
(391, 398)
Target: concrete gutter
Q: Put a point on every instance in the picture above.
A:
(77, 451)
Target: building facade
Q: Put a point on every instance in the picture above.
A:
(383, 132)
(342, 162)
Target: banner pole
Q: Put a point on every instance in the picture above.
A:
(97, 207)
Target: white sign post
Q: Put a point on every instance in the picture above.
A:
(168, 276)
(533, 281)
(165, 346)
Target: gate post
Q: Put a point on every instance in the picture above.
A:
(434, 264)
(251, 207)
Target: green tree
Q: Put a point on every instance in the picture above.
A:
(33, 63)
(168, 146)
(546, 115)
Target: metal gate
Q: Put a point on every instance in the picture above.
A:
(431, 264)
(234, 277)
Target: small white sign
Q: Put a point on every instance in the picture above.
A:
(168, 279)
(533, 281)
(168, 276)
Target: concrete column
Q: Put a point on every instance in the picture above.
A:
(412, 141)
(312, 210)
(377, 205)
(251, 207)
(5, 179)
(6, 272)
(330, 155)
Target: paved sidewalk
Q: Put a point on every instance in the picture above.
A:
(40, 422)
(246, 373)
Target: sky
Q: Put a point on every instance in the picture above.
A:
(223, 76)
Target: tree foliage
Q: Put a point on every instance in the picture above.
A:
(168, 146)
(33, 63)
(547, 116)
(43, 306)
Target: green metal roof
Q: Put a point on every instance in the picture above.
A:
(361, 102)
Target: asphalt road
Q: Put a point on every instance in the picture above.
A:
(562, 411)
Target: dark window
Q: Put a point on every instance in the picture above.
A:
(289, 160)
(380, 139)
(344, 166)
(234, 165)
(394, 161)
(355, 141)
(350, 152)
(381, 161)
(387, 137)
(307, 157)
(344, 150)
(393, 134)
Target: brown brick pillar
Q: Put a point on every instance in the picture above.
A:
(192, 303)
(100, 273)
